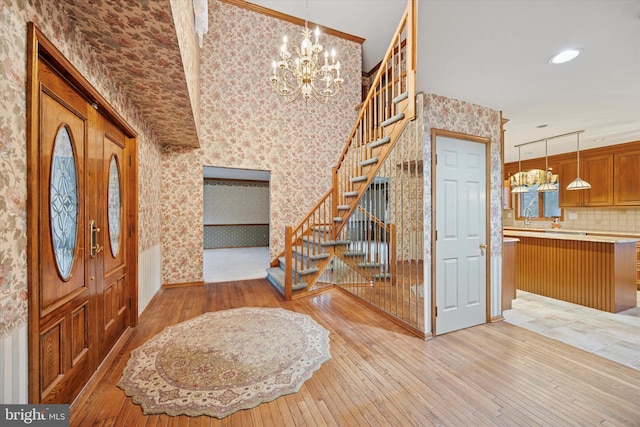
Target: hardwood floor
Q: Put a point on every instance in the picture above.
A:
(380, 375)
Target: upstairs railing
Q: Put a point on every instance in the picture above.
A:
(389, 105)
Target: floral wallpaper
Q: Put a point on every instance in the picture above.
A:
(56, 24)
(460, 116)
(138, 43)
(245, 125)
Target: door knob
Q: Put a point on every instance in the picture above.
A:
(482, 248)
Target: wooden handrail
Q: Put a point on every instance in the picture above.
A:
(375, 219)
(313, 210)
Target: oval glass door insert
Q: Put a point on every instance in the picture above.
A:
(114, 206)
(64, 202)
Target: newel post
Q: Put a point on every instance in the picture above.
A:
(288, 250)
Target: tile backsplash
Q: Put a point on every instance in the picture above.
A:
(606, 219)
(597, 219)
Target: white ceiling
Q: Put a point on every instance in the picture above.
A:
(495, 52)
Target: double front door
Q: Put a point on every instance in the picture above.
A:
(80, 289)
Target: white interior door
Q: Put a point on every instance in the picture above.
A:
(460, 251)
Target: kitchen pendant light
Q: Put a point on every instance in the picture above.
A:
(578, 183)
(547, 186)
(520, 188)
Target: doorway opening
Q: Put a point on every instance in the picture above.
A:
(236, 221)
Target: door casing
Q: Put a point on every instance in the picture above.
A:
(38, 46)
(435, 133)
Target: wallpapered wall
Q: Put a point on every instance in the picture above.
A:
(471, 119)
(236, 203)
(245, 125)
(14, 15)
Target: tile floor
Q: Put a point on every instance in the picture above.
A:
(614, 336)
(227, 265)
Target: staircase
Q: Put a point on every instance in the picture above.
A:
(320, 236)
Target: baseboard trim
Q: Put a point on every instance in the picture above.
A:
(179, 285)
(499, 318)
(102, 370)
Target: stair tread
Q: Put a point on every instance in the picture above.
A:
(401, 97)
(353, 253)
(336, 242)
(350, 193)
(379, 142)
(392, 120)
(276, 274)
(370, 264)
(299, 250)
(370, 161)
(344, 207)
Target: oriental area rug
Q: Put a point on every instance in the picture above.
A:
(220, 362)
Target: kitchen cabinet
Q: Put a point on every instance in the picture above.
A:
(506, 194)
(626, 170)
(597, 171)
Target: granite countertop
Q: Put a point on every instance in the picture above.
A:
(576, 231)
(578, 236)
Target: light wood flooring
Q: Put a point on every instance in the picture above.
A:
(380, 375)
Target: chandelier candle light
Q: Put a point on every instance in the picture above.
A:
(304, 75)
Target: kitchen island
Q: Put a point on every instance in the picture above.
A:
(594, 271)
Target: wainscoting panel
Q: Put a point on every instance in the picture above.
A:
(149, 275)
(13, 371)
(235, 236)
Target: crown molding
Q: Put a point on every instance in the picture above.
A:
(292, 19)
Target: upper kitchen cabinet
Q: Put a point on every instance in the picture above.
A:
(626, 169)
(597, 171)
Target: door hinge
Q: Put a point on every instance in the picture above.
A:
(130, 230)
(436, 234)
(436, 159)
(130, 302)
(436, 311)
(129, 160)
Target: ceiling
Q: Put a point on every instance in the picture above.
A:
(495, 53)
(136, 41)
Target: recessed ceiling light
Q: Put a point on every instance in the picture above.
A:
(599, 139)
(541, 126)
(565, 56)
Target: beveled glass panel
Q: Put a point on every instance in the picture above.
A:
(64, 202)
(114, 206)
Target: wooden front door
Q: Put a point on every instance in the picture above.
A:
(81, 290)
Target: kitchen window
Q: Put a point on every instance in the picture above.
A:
(538, 205)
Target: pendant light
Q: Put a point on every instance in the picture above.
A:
(520, 188)
(547, 186)
(578, 183)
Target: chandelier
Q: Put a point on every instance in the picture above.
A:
(305, 75)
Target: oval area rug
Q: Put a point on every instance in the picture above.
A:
(220, 362)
